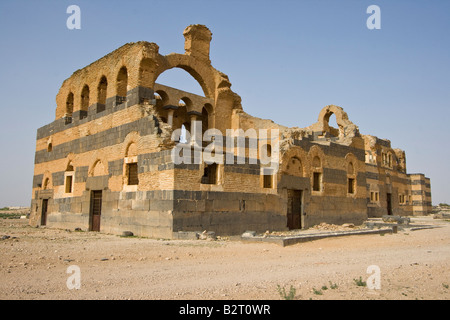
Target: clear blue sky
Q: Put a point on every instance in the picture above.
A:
(286, 59)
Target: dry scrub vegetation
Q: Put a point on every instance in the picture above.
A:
(34, 261)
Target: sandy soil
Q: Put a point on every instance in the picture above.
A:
(34, 263)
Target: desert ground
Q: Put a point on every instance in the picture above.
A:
(34, 264)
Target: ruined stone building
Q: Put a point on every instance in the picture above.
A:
(106, 163)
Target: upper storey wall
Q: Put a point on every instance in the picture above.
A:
(139, 65)
(380, 153)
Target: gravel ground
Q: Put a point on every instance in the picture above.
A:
(34, 264)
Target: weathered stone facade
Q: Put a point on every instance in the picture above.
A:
(106, 161)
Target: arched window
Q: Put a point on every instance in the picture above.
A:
(69, 108)
(122, 85)
(101, 94)
(131, 150)
(158, 98)
(185, 102)
(84, 102)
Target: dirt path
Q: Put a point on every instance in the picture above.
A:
(34, 262)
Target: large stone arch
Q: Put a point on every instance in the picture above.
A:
(200, 71)
(206, 76)
(346, 130)
(341, 117)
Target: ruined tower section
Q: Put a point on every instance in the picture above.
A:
(334, 179)
(197, 42)
(390, 190)
(420, 190)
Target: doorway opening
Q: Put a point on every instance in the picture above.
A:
(96, 210)
(44, 212)
(294, 209)
(389, 204)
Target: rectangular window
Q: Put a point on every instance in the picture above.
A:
(210, 174)
(369, 157)
(374, 196)
(132, 169)
(316, 181)
(351, 185)
(69, 184)
(267, 183)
